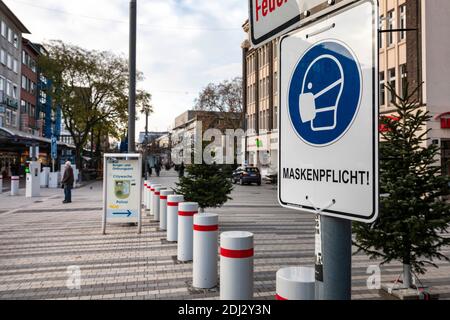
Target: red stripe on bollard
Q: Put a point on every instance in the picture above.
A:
(236, 254)
(163, 197)
(280, 298)
(157, 193)
(172, 204)
(206, 228)
(187, 213)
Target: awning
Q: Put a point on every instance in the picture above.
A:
(16, 134)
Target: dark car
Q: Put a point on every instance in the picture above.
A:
(247, 175)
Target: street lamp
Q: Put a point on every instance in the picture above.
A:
(132, 67)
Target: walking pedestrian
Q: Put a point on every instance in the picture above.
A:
(67, 182)
(181, 170)
(158, 168)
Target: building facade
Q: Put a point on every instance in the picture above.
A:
(30, 117)
(413, 49)
(11, 30)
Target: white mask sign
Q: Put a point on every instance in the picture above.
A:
(329, 115)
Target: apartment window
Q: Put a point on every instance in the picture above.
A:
(275, 83)
(14, 91)
(4, 29)
(404, 79)
(24, 83)
(381, 38)
(3, 57)
(390, 26)
(402, 22)
(8, 117)
(2, 84)
(24, 57)
(10, 35)
(9, 88)
(9, 62)
(16, 40)
(392, 84)
(23, 106)
(382, 89)
(16, 66)
(275, 117)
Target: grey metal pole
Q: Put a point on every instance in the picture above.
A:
(337, 259)
(132, 66)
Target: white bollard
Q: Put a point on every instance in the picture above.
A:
(144, 195)
(236, 266)
(186, 212)
(15, 185)
(172, 217)
(296, 283)
(152, 197)
(156, 201)
(1, 183)
(206, 233)
(148, 195)
(163, 208)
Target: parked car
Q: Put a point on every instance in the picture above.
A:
(247, 175)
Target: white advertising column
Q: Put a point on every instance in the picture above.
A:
(163, 209)
(15, 185)
(53, 180)
(186, 212)
(236, 265)
(206, 233)
(172, 216)
(296, 283)
(156, 201)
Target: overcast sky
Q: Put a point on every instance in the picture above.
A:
(182, 44)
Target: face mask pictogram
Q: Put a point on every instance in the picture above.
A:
(309, 109)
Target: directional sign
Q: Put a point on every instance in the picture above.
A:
(329, 115)
(271, 18)
(122, 188)
(54, 148)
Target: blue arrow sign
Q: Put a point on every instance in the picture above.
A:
(128, 213)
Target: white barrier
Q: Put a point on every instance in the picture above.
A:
(148, 198)
(45, 177)
(206, 232)
(53, 180)
(186, 212)
(144, 195)
(296, 283)
(152, 197)
(15, 186)
(172, 216)
(156, 202)
(1, 183)
(163, 208)
(236, 266)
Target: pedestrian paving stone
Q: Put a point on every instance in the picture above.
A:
(39, 241)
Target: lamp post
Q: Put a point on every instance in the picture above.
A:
(132, 67)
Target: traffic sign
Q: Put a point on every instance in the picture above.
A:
(328, 144)
(54, 148)
(272, 18)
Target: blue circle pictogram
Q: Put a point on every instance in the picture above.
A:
(325, 93)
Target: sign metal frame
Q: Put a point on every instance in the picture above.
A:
(124, 157)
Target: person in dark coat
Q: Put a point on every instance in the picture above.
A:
(67, 182)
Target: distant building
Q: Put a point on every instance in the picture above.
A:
(414, 48)
(11, 29)
(151, 136)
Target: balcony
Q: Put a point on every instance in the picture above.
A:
(7, 101)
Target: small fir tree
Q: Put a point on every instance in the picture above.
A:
(209, 185)
(413, 213)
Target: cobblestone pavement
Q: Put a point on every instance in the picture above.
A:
(41, 238)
